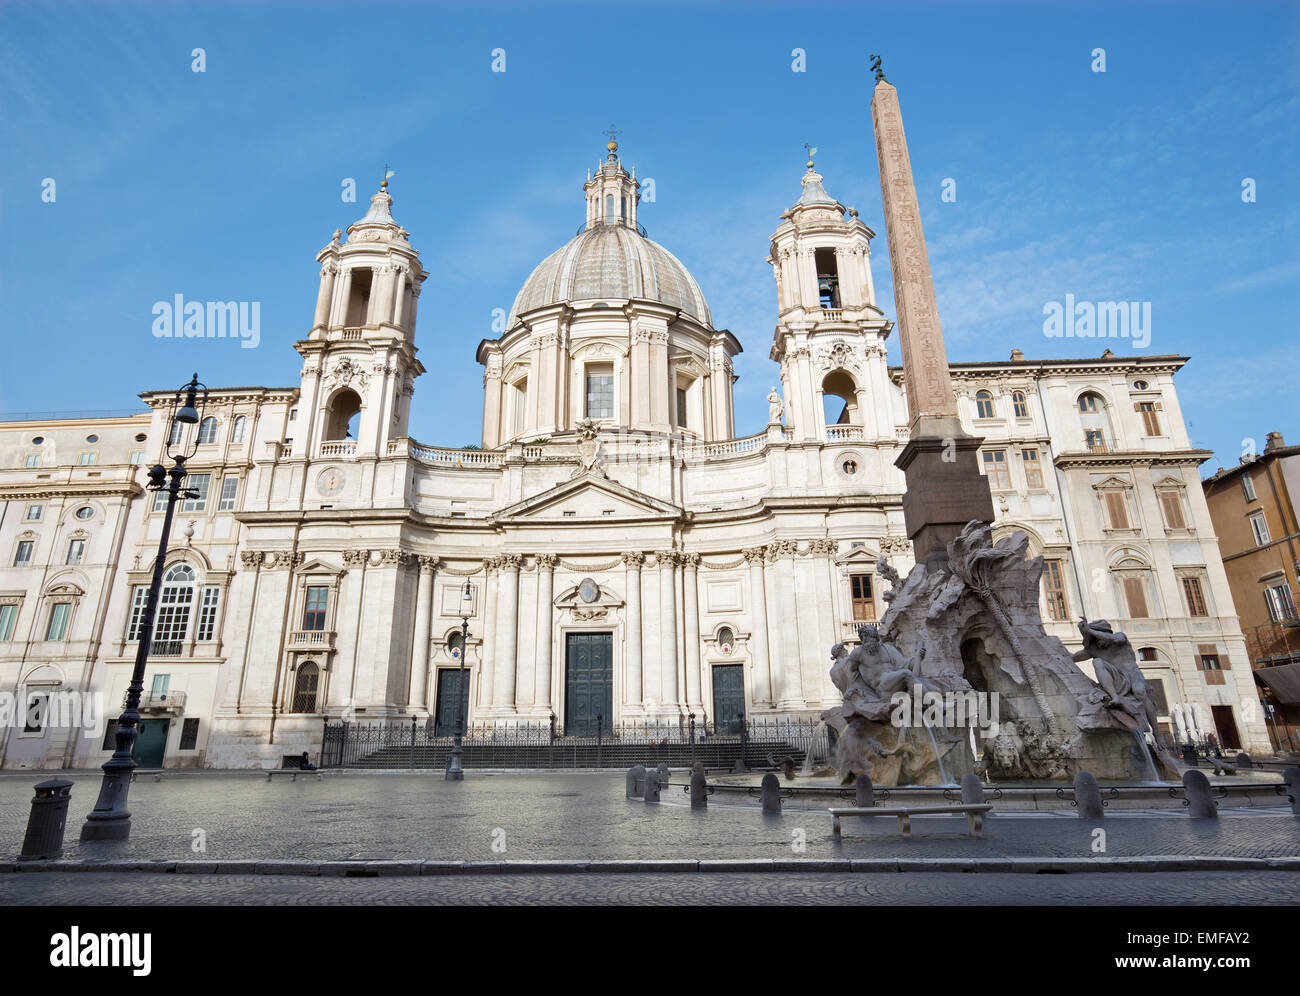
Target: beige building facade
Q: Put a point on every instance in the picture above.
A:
(617, 550)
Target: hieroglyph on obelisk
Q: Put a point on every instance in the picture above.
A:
(925, 362)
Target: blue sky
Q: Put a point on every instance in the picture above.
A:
(223, 185)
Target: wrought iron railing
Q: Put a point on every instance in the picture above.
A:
(419, 743)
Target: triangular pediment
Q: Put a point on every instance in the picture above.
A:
(857, 556)
(590, 497)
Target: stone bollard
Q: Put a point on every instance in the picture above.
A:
(1292, 778)
(865, 792)
(1244, 760)
(652, 786)
(664, 776)
(699, 791)
(787, 768)
(698, 766)
(739, 767)
(636, 781)
(48, 817)
(972, 789)
(1087, 796)
(1200, 797)
(771, 793)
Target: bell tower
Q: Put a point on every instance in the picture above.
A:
(359, 359)
(830, 335)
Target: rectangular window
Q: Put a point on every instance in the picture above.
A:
(57, 628)
(1136, 597)
(313, 616)
(135, 458)
(995, 469)
(1248, 487)
(1019, 405)
(208, 612)
(199, 483)
(160, 501)
(1209, 662)
(76, 550)
(8, 616)
(1094, 440)
(229, 491)
(864, 606)
(1054, 587)
(36, 709)
(681, 408)
(1033, 467)
(1195, 597)
(87, 458)
(189, 734)
(34, 512)
(23, 555)
(137, 611)
(33, 460)
(600, 392)
(1259, 525)
(1281, 606)
(161, 683)
(1116, 509)
(1150, 419)
(1171, 504)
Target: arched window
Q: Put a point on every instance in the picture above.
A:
(208, 430)
(1095, 422)
(237, 432)
(174, 604)
(840, 399)
(983, 404)
(455, 644)
(1019, 404)
(304, 688)
(726, 640)
(344, 416)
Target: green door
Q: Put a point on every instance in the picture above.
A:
(589, 682)
(151, 742)
(445, 721)
(728, 697)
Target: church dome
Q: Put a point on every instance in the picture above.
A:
(612, 261)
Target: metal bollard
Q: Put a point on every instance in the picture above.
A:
(48, 817)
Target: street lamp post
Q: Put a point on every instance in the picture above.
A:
(455, 773)
(110, 819)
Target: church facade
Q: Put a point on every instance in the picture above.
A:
(616, 549)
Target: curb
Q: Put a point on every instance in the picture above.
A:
(381, 869)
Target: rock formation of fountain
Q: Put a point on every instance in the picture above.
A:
(972, 625)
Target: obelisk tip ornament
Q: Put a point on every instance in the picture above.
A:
(945, 489)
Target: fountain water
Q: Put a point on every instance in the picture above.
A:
(818, 731)
(1144, 754)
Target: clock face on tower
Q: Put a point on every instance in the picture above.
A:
(330, 482)
(588, 591)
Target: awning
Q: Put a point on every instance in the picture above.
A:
(1284, 680)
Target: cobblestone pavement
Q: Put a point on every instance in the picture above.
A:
(927, 888)
(579, 816)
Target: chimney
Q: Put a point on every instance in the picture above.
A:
(1275, 442)
(1017, 356)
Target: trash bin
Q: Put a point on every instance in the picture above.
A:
(48, 818)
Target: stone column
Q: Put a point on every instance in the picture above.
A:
(507, 641)
(632, 644)
(690, 595)
(488, 643)
(343, 291)
(399, 297)
(325, 295)
(762, 680)
(789, 686)
(945, 489)
(419, 694)
(545, 636)
(668, 627)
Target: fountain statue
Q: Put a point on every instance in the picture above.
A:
(970, 629)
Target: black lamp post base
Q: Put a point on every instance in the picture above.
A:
(454, 771)
(111, 826)
(110, 819)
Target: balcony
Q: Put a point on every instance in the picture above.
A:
(832, 314)
(311, 639)
(339, 448)
(843, 433)
(162, 702)
(166, 648)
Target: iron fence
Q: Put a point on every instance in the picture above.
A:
(415, 743)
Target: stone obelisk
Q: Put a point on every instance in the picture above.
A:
(945, 489)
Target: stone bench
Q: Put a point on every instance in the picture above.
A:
(974, 813)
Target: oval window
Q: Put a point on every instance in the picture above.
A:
(85, 512)
(37, 440)
(92, 438)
